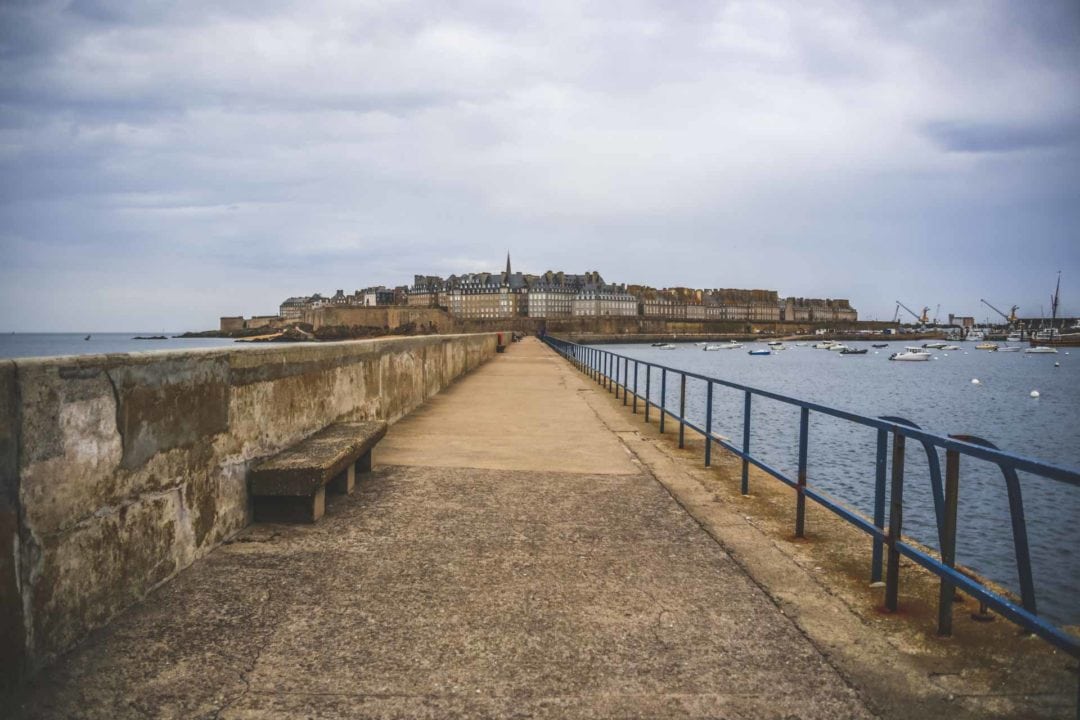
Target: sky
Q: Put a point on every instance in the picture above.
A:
(163, 164)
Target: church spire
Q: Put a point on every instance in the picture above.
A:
(507, 266)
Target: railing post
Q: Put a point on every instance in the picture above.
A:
(896, 519)
(626, 379)
(879, 503)
(708, 424)
(608, 380)
(682, 411)
(648, 389)
(663, 396)
(617, 368)
(800, 498)
(635, 386)
(948, 540)
(746, 444)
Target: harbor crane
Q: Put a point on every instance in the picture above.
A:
(1010, 318)
(924, 318)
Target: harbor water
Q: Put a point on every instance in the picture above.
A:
(13, 345)
(938, 395)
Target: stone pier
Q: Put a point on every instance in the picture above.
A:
(509, 557)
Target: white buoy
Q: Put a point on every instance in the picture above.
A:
(975, 381)
(1057, 364)
(1034, 393)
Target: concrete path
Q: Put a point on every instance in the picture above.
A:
(509, 558)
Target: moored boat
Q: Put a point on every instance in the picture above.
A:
(987, 346)
(911, 355)
(760, 352)
(853, 351)
(1040, 350)
(1010, 348)
(880, 345)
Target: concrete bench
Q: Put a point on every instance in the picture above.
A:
(291, 486)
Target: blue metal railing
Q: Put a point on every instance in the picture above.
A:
(613, 371)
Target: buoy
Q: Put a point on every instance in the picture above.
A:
(975, 381)
(1057, 364)
(1034, 393)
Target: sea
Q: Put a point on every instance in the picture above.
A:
(17, 345)
(941, 396)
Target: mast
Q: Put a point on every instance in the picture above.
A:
(1053, 300)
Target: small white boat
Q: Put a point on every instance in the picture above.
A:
(664, 346)
(729, 346)
(911, 355)
(838, 347)
(951, 347)
(710, 348)
(1014, 337)
(1010, 348)
(825, 345)
(936, 345)
(774, 343)
(1040, 350)
(976, 335)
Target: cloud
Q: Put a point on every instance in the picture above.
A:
(985, 137)
(285, 148)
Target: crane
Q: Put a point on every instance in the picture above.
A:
(1010, 318)
(924, 318)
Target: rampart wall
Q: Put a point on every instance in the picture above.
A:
(118, 471)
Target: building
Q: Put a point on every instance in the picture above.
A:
(375, 296)
(486, 296)
(550, 301)
(817, 310)
(427, 291)
(293, 309)
(604, 302)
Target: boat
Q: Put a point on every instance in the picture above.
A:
(1010, 348)
(664, 346)
(86, 338)
(825, 345)
(775, 343)
(1040, 350)
(880, 345)
(951, 347)
(911, 355)
(838, 347)
(975, 335)
(1014, 337)
(987, 346)
(853, 351)
(936, 345)
(710, 348)
(760, 352)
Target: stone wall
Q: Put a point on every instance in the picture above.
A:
(390, 316)
(118, 471)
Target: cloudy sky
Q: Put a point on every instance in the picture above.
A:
(162, 164)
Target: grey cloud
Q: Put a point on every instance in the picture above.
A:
(976, 137)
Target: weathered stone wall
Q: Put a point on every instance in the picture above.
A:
(117, 471)
(390, 316)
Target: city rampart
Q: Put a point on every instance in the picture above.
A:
(118, 471)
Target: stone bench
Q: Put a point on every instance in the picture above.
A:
(291, 486)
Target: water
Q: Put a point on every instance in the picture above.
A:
(938, 396)
(13, 345)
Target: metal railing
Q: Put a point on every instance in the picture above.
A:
(619, 373)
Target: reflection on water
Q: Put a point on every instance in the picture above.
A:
(940, 397)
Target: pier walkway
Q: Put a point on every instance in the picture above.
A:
(510, 557)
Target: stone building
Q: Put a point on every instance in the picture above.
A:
(605, 301)
(817, 310)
